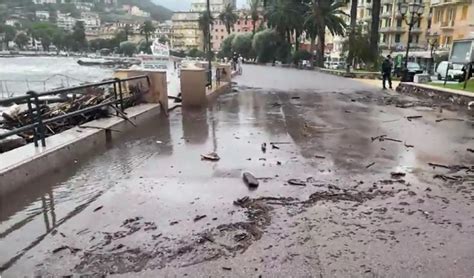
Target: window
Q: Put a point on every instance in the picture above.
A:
(399, 23)
(397, 38)
(222, 37)
(384, 38)
(418, 24)
(417, 38)
(238, 22)
(222, 30)
(464, 12)
(238, 30)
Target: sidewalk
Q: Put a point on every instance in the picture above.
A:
(377, 83)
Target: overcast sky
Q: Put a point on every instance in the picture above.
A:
(183, 5)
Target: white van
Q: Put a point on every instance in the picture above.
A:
(454, 73)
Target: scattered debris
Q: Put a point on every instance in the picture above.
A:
(295, 97)
(199, 217)
(280, 143)
(382, 138)
(278, 163)
(64, 247)
(296, 182)
(172, 223)
(409, 118)
(408, 146)
(449, 119)
(240, 237)
(250, 180)
(242, 201)
(320, 156)
(98, 208)
(370, 165)
(397, 175)
(226, 268)
(274, 146)
(470, 150)
(210, 156)
(264, 147)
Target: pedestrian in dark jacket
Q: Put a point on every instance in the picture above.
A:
(387, 71)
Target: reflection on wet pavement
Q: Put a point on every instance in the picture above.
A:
(148, 203)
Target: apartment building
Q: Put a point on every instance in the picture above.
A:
(393, 29)
(452, 20)
(186, 33)
(243, 25)
(216, 6)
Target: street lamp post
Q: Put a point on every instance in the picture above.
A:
(411, 14)
(209, 52)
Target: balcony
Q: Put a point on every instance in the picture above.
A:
(367, 18)
(368, 5)
(387, 2)
(447, 25)
(448, 2)
(417, 46)
(392, 30)
(416, 30)
(386, 15)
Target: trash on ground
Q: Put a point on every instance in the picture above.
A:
(370, 165)
(296, 182)
(199, 217)
(409, 118)
(210, 156)
(264, 147)
(397, 175)
(250, 180)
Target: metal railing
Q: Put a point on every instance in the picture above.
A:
(38, 124)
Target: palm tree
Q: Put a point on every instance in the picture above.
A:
(325, 14)
(205, 22)
(282, 16)
(350, 56)
(147, 29)
(228, 17)
(374, 29)
(254, 12)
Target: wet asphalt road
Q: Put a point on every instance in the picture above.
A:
(148, 206)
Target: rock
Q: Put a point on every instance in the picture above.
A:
(199, 217)
(264, 147)
(11, 142)
(397, 175)
(250, 180)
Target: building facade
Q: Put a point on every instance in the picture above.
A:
(243, 25)
(216, 6)
(452, 20)
(186, 33)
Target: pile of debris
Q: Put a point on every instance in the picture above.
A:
(18, 115)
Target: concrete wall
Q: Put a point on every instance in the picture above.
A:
(21, 166)
(193, 87)
(158, 92)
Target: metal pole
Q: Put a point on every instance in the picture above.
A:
(209, 57)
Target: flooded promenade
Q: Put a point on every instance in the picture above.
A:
(358, 182)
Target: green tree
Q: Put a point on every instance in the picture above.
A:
(43, 31)
(242, 44)
(229, 17)
(265, 44)
(79, 36)
(205, 22)
(326, 15)
(147, 29)
(59, 40)
(196, 53)
(9, 31)
(21, 40)
(282, 15)
(127, 48)
(359, 46)
(254, 13)
(226, 46)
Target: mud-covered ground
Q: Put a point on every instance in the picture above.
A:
(358, 182)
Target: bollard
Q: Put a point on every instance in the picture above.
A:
(193, 87)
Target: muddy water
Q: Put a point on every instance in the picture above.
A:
(138, 206)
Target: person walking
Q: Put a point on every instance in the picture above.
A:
(240, 62)
(387, 72)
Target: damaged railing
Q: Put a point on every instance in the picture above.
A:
(38, 124)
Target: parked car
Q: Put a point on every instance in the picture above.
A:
(454, 72)
(414, 68)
